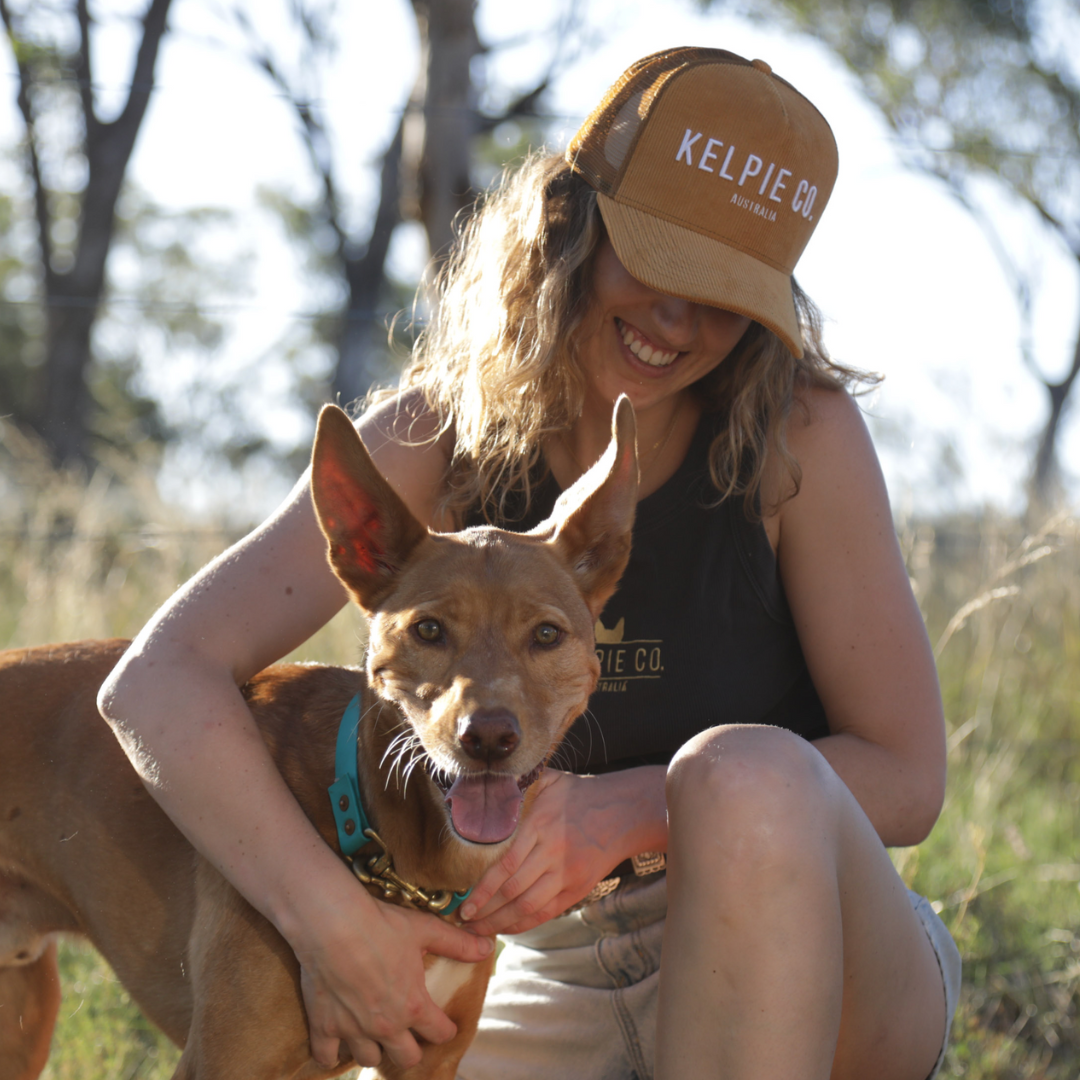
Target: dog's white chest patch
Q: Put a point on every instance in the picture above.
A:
(444, 978)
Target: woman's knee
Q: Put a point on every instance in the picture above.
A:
(749, 783)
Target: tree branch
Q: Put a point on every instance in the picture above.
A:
(108, 149)
(26, 108)
(315, 138)
(84, 72)
(142, 76)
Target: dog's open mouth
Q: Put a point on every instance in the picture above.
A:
(485, 807)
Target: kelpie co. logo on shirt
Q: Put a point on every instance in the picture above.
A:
(622, 661)
(748, 167)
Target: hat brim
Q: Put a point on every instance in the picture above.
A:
(682, 262)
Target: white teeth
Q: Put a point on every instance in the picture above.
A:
(644, 351)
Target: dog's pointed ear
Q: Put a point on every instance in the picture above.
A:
(592, 521)
(369, 531)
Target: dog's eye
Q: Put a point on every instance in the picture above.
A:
(429, 630)
(546, 634)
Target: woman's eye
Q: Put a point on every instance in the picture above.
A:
(429, 630)
(546, 634)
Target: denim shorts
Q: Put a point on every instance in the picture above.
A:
(576, 997)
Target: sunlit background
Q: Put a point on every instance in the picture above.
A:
(946, 260)
(908, 278)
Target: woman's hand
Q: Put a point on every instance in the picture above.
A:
(362, 976)
(578, 829)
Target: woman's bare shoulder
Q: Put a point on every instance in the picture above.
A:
(403, 417)
(412, 446)
(839, 472)
(825, 434)
(824, 417)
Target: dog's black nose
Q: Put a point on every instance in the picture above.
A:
(489, 734)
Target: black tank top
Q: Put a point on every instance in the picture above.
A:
(697, 634)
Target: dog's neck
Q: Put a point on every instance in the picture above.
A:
(415, 829)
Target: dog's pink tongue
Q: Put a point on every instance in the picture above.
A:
(485, 809)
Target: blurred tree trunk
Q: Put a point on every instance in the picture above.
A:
(73, 292)
(364, 335)
(1045, 473)
(441, 121)
(425, 172)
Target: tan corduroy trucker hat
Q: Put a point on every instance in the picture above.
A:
(711, 174)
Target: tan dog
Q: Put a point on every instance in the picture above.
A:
(480, 656)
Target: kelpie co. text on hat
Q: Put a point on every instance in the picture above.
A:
(802, 201)
(711, 172)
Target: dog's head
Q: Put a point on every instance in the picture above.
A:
(482, 639)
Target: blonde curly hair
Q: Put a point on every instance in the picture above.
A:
(497, 363)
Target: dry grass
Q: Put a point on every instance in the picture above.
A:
(95, 559)
(1004, 608)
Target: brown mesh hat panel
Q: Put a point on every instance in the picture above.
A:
(712, 174)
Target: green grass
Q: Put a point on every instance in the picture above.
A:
(101, 1033)
(1003, 862)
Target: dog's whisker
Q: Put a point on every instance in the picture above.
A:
(407, 769)
(397, 745)
(446, 834)
(419, 755)
(570, 754)
(560, 760)
(407, 745)
(591, 725)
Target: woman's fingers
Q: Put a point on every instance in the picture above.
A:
(324, 1049)
(365, 1052)
(371, 993)
(443, 939)
(552, 864)
(534, 906)
(328, 1024)
(490, 892)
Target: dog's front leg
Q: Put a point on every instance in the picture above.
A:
(248, 1015)
(459, 990)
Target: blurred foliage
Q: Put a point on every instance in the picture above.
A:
(324, 273)
(980, 91)
(73, 160)
(164, 297)
(971, 85)
(304, 225)
(95, 558)
(105, 1034)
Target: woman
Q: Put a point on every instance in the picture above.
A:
(769, 714)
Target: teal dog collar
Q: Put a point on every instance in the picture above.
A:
(354, 830)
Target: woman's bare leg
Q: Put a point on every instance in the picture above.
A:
(790, 948)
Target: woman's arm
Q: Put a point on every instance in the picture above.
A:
(860, 628)
(174, 703)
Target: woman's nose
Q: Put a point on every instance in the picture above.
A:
(677, 317)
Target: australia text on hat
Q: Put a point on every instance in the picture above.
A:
(805, 193)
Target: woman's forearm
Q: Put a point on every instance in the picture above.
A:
(901, 796)
(634, 810)
(199, 752)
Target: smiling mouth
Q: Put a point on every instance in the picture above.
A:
(485, 807)
(643, 349)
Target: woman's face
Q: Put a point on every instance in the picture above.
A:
(644, 343)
